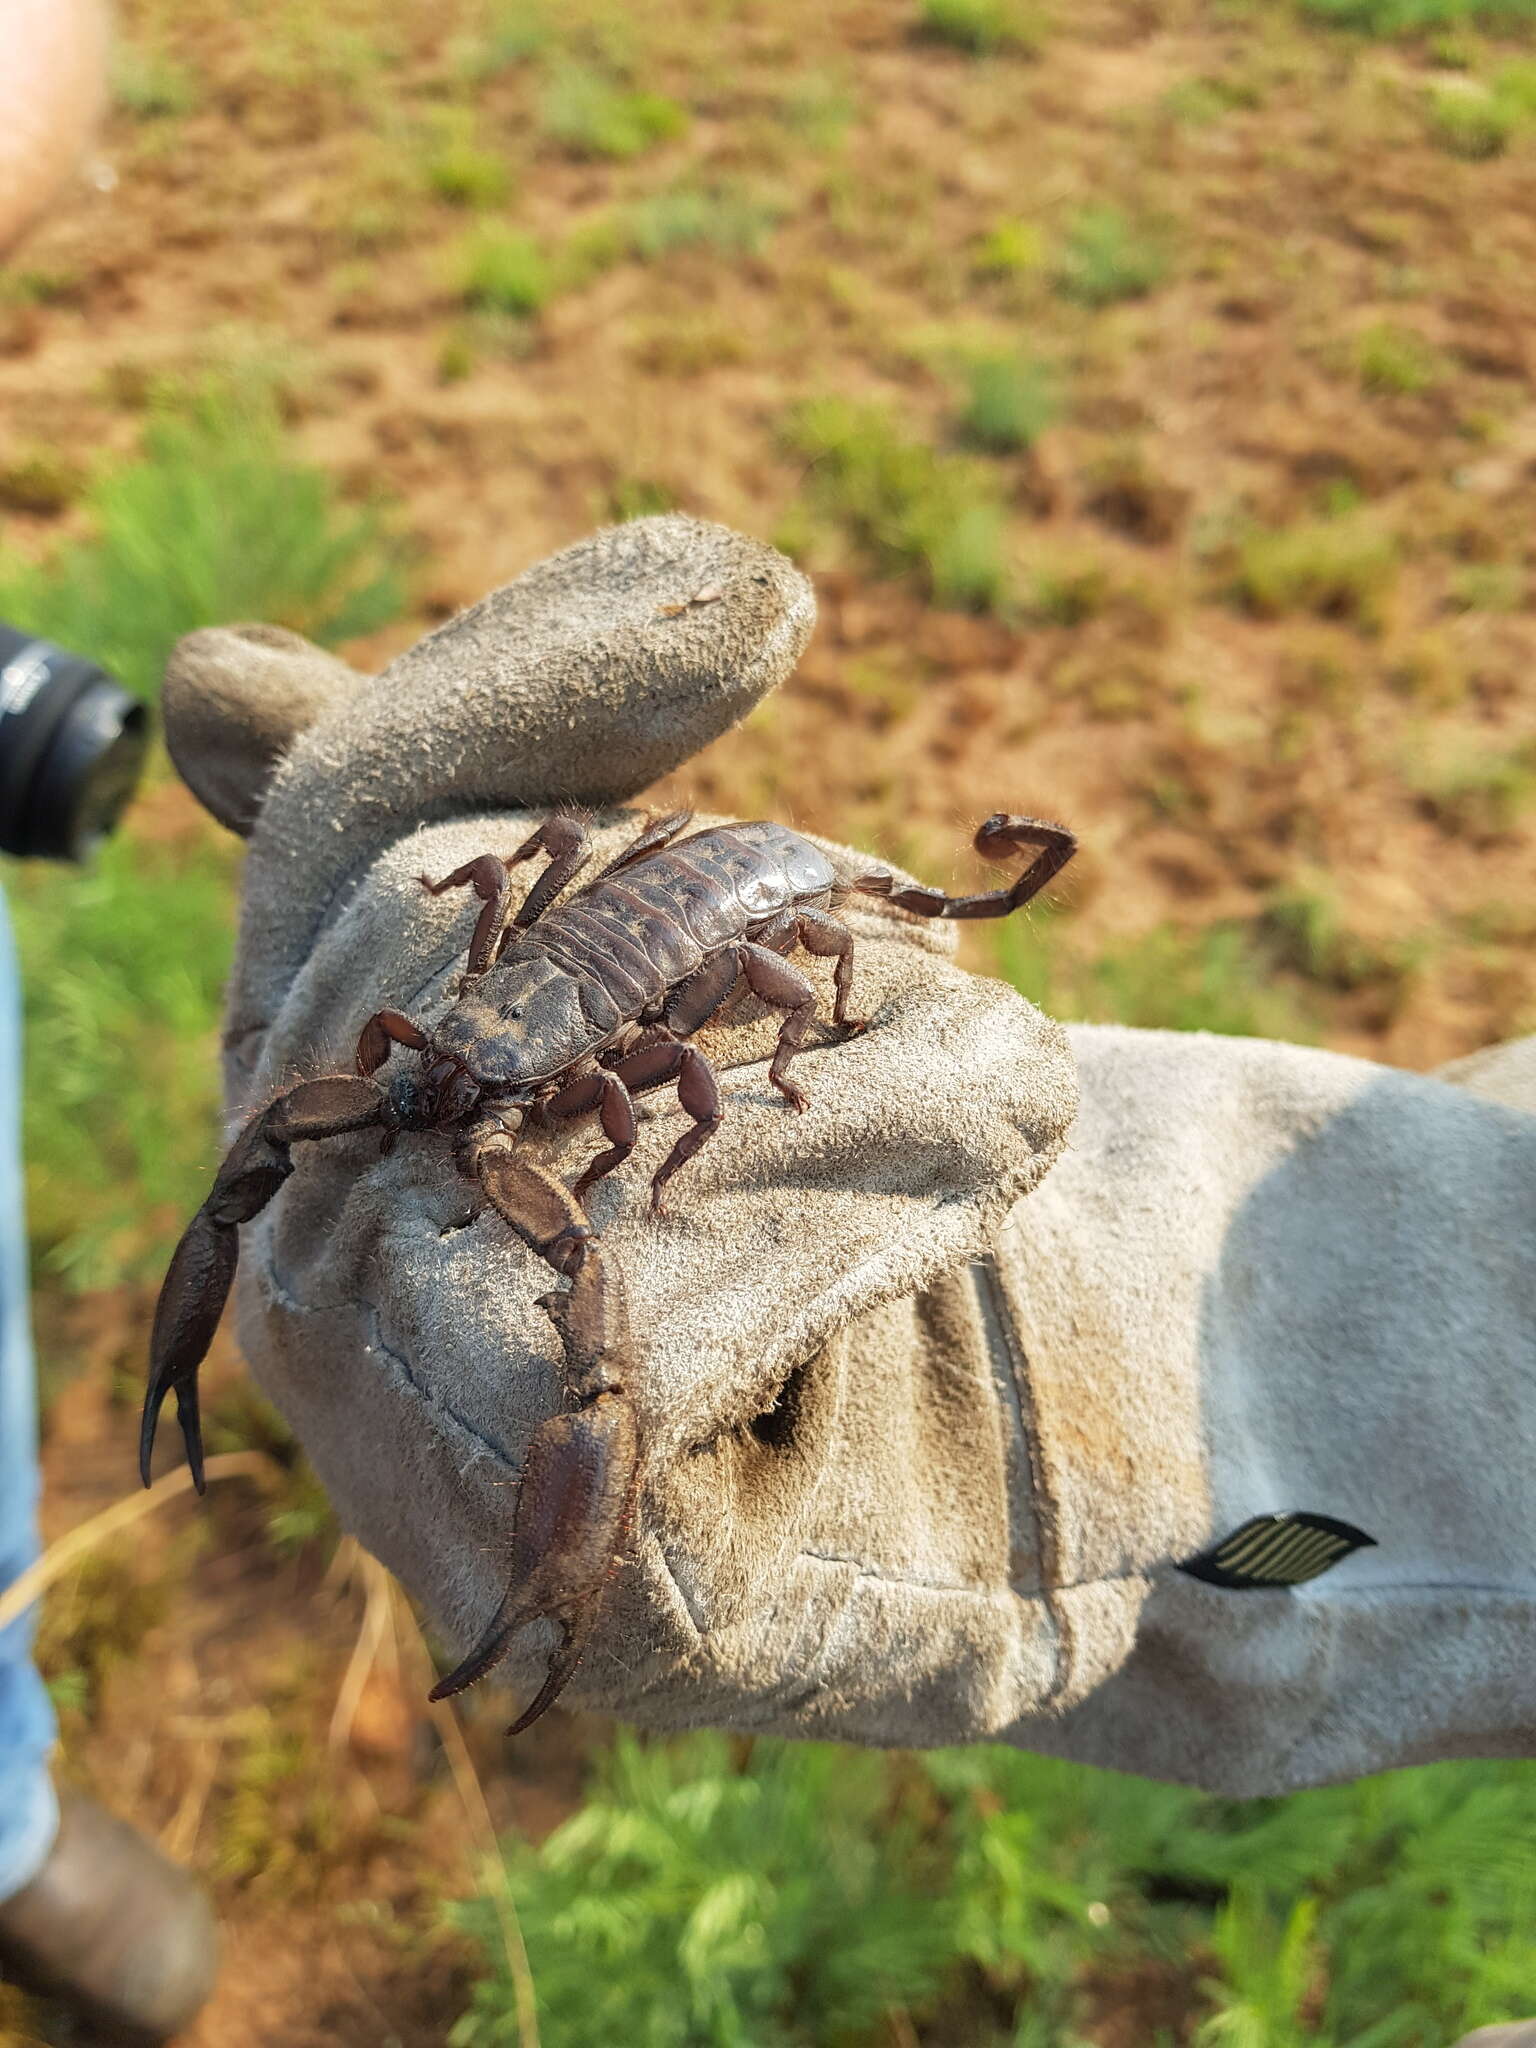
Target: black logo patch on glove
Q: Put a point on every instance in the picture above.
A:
(1276, 1550)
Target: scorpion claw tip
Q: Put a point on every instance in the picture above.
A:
(149, 1424)
(191, 1433)
(562, 1668)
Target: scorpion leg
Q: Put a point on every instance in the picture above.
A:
(782, 987)
(780, 933)
(655, 834)
(607, 1094)
(581, 1474)
(487, 876)
(384, 1029)
(564, 839)
(203, 1266)
(698, 1092)
(996, 838)
(829, 938)
(693, 1002)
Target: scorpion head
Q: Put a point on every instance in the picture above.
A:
(523, 1027)
(431, 1097)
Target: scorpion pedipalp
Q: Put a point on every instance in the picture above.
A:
(577, 1492)
(540, 1208)
(573, 1506)
(187, 1314)
(202, 1270)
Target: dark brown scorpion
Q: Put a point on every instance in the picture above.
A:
(563, 1011)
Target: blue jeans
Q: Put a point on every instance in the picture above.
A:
(29, 1814)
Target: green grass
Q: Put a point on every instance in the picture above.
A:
(913, 509)
(151, 85)
(501, 270)
(692, 1902)
(123, 967)
(1066, 586)
(1220, 979)
(1202, 101)
(779, 1896)
(1394, 361)
(1487, 587)
(1478, 119)
(1473, 792)
(1106, 257)
(1418, 17)
(1340, 567)
(639, 497)
(818, 110)
(1470, 122)
(124, 962)
(39, 480)
(510, 36)
(591, 115)
(1011, 249)
(730, 218)
(457, 169)
(1307, 927)
(982, 28)
(216, 521)
(1009, 401)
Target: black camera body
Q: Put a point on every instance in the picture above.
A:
(72, 744)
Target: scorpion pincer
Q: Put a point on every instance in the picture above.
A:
(567, 1008)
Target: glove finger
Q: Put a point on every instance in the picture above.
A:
(235, 700)
(582, 682)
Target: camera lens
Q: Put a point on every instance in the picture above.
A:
(71, 747)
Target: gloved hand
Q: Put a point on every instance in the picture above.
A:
(925, 1442)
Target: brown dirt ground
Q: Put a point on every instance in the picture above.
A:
(1209, 757)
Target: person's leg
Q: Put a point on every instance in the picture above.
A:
(90, 1909)
(29, 1814)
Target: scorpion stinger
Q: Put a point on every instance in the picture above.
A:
(996, 837)
(203, 1267)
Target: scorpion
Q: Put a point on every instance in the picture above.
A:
(565, 1009)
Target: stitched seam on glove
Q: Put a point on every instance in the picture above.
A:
(278, 1293)
(1002, 1336)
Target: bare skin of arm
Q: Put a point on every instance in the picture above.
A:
(53, 58)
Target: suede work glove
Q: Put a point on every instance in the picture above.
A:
(1200, 1455)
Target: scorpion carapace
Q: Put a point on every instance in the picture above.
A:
(568, 1008)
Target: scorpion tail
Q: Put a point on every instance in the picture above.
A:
(996, 838)
(186, 1316)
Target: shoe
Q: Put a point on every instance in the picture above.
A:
(1521, 2035)
(112, 1928)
